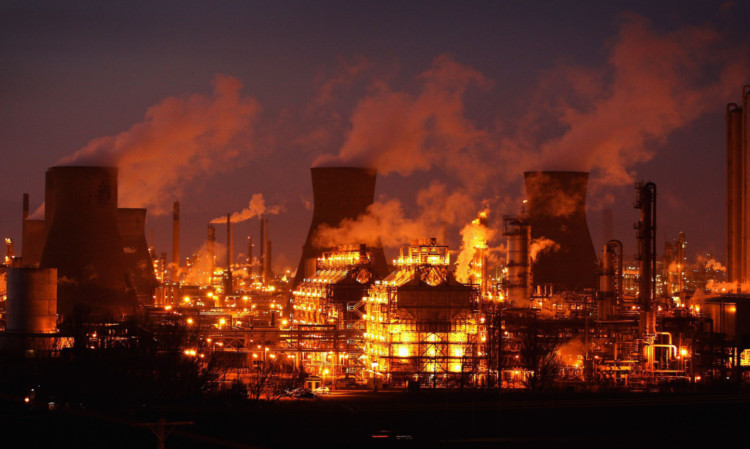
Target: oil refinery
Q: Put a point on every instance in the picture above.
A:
(550, 314)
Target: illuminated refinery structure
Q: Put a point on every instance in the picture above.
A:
(421, 324)
(550, 311)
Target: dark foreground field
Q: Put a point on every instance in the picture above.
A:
(397, 419)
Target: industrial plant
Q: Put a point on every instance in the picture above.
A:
(553, 313)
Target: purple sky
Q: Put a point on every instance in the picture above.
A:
(640, 85)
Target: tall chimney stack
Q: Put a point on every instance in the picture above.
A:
(34, 234)
(176, 241)
(210, 246)
(262, 249)
(738, 195)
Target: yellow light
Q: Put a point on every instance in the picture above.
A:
(190, 321)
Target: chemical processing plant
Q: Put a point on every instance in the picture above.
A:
(553, 313)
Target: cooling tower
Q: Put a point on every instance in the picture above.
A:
(557, 211)
(338, 193)
(132, 226)
(33, 242)
(84, 244)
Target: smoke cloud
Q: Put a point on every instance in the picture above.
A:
(616, 117)
(255, 208)
(179, 141)
(384, 222)
(606, 120)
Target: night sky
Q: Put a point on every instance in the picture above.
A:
(451, 101)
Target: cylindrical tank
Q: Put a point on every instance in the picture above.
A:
(32, 300)
(557, 211)
(84, 244)
(338, 193)
(131, 223)
(518, 282)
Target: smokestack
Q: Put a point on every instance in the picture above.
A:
(25, 206)
(132, 226)
(228, 272)
(84, 242)
(33, 234)
(557, 211)
(229, 242)
(338, 193)
(176, 241)
(269, 271)
(210, 246)
(262, 250)
(738, 196)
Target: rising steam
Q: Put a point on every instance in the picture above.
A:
(474, 236)
(179, 141)
(606, 120)
(541, 245)
(255, 208)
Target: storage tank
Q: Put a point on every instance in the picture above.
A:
(84, 243)
(338, 193)
(32, 300)
(557, 211)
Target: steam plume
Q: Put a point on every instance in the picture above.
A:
(255, 208)
(179, 141)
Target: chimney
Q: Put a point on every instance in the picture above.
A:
(338, 193)
(84, 242)
(176, 241)
(262, 250)
(210, 246)
(33, 234)
(228, 271)
(269, 270)
(738, 198)
(557, 211)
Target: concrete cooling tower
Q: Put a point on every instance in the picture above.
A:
(338, 193)
(132, 226)
(556, 207)
(84, 244)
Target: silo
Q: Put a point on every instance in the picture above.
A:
(131, 223)
(32, 300)
(339, 193)
(84, 244)
(557, 211)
